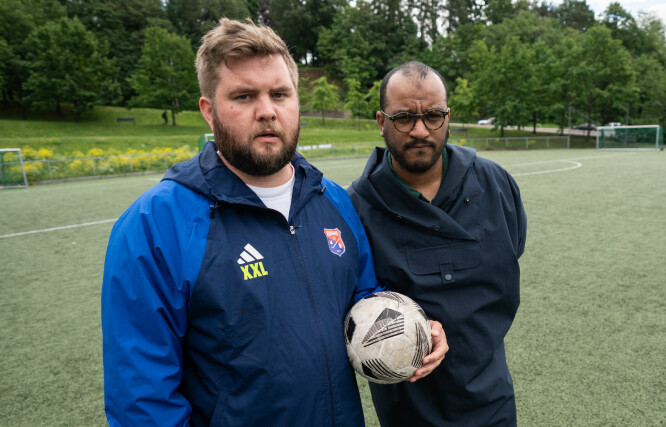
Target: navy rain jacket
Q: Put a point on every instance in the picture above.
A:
(458, 258)
(216, 310)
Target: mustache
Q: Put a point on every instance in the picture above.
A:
(420, 143)
(269, 129)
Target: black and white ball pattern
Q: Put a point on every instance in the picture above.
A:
(387, 336)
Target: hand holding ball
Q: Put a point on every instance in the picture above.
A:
(387, 336)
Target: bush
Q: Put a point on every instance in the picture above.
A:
(44, 164)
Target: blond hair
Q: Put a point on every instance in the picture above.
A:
(234, 40)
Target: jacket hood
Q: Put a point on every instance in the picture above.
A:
(206, 174)
(377, 177)
(379, 186)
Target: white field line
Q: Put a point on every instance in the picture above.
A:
(576, 165)
(574, 161)
(64, 227)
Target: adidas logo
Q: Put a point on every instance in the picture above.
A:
(250, 264)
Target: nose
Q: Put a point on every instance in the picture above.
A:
(265, 110)
(419, 131)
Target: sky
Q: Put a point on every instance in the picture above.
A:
(658, 7)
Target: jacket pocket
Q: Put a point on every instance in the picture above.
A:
(446, 261)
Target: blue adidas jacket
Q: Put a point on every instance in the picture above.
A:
(218, 311)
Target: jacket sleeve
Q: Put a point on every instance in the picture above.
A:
(520, 228)
(367, 279)
(144, 321)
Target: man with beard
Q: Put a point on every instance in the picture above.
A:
(446, 228)
(226, 285)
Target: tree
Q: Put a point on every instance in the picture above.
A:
(351, 46)
(427, 14)
(461, 12)
(575, 14)
(355, 100)
(324, 96)
(299, 23)
(623, 26)
(18, 18)
(304, 93)
(652, 32)
(372, 97)
(606, 77)
(497, 10)
(502, 82)
(165, 77)
(650, 105)
(66, 66)
(462, 100)
(194, 18)
(121, 25)
(365, 41)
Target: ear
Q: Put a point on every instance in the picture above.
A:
(380, 121)
(206, 108)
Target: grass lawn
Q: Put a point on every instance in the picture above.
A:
(99, 128)
(587, 348)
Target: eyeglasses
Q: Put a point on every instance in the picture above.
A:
(405, 122)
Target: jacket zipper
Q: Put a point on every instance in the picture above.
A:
(292, 231)
(297, 248)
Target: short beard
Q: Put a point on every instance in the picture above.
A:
(240, 154)
(419, 166)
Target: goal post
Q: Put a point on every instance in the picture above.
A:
(12, 169)
(642, 137)
(203, 139)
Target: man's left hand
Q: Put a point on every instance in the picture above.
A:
(439, 349)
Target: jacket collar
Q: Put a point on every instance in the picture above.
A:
(379, 186)
(208, 175)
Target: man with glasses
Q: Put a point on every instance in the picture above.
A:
(446, 228)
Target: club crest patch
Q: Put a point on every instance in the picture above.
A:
(335, 243)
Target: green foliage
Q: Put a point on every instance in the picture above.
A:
(165, 77)
(18, 18)
(120, 25)
(649, 106)
(299, 23)
(364, 40)
(461, 101)
(372, 97)
(501, 81)
(350, 46)
(324, 96)
(355, 100)
(66, 65)
(575, 14)
(606, 78)
(194, 18)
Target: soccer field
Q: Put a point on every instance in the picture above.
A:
(588, 346)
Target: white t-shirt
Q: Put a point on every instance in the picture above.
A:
(278, 198)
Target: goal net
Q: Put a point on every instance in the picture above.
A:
(203, 139)
(12, 170)
(646, 137)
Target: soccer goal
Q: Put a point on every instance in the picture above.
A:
(12, 170)
(645, 137)
(203, 139)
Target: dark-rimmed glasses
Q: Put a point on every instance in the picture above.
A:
(405, 122)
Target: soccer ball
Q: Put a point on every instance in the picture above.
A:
(387, 336)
